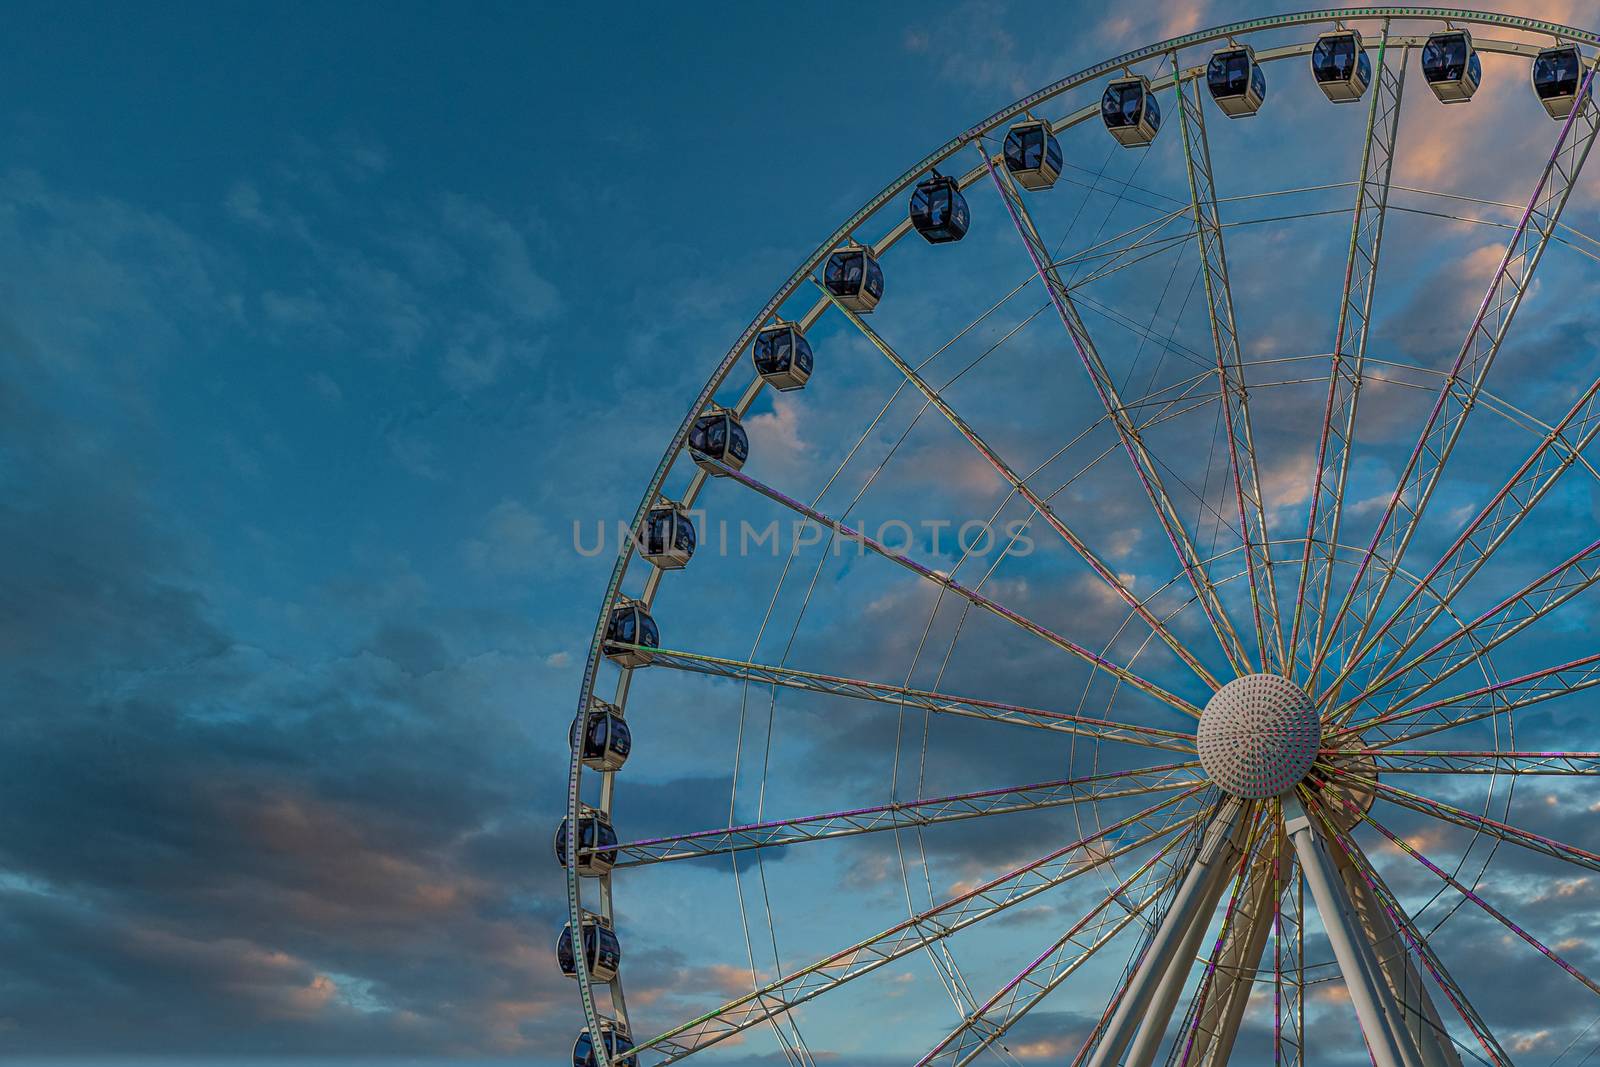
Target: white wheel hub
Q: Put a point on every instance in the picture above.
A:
(1258, 736)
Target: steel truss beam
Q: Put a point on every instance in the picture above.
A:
(1007, 1006)
(1243, 944)
(1022, 489)
(1391, 925)
(1235, 913)
(1349, 346)
(1456, 400)
(1486, 761)
(1438, 809)
(1234, 394)
(849, 534)
(1397, 920)
(1489, 909)
(1501, 698)
(1144, 464)
(926, 700)
(1176, 938)
(920, 930)
(1555, 454)
(1387, 1039)
(1473, 640)
(777, 833)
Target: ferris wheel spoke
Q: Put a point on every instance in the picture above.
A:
(1489, 761)
(925, 928)
(1557, 452)
(1007, 1006)
(1144, 467)
(1234, 394)
(1500, 831)
(1467, 892)
(849, 534)
(1499, 699)
(1349, 348)
(1512, 278)
(1383, 907)
(1089, 789)
(1472, 641)
(1100, 729)
(1021, 487)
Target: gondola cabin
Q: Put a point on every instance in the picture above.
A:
(1557, 77)
(602, 953)
(854, 278)
(782, 356)
(718, 435)
(601, 736)
(1033, 155)
(1340, 66)
(1236, 81)
(1450, 66)
(938, 210)
(614, 1036)
(630, 627)
(667, 538)
(1128, 108)
(597, 843)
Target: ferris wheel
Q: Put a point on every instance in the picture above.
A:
(1273, 613)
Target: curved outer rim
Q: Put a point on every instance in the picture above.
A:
(843, 235)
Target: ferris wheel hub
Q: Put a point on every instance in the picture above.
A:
(1258, 736)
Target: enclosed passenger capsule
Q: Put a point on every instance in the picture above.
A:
(594, 834)
(718, 435)
(854, 278)
(938, 210)
(1450, 66)
(1339, 65)
(1129, 109)
(667, 539)
(1033, 155)
(1236, 81)
(614, 1036)
(603, 735)
(1557, 76)
(602, 953)
(782, 356)
(630, 624)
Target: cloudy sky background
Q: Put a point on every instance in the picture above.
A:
(319, 331)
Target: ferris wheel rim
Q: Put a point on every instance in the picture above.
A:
(1559, 32)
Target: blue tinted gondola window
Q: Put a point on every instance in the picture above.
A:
(1444, 58)
(774, 349)
(1124, 104)
(1555, 73)
(843, 273)
(649, 636)
(932, 204)
(738, 442)
(1025, 148)
(1229, 74)
(683, 536)
(1334, 58)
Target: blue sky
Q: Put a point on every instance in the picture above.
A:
(320, 330)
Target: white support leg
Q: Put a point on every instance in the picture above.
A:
(1368, 992)
(1418, 1015)
(1177, 938)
